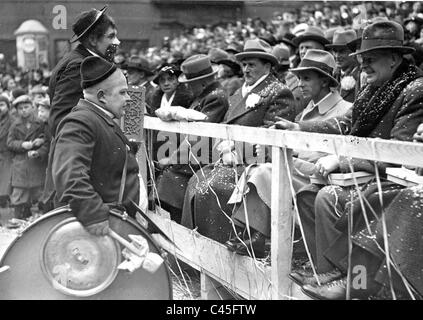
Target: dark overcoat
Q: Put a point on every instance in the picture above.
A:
(65, 85)
(5, 157)
(172, 184)
(27, 172)
(88, 160)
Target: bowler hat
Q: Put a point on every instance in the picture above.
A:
(197, 67)
(341, 38)
(95, 70)
(85, 21)
(257, 48)
(311, 33)
(383, 35)
(169, 69)
(138, 63)
(21, 99)
(320, 61)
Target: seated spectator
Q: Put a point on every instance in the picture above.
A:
(316, 80)
(259, 101)
(389, 107)
(210, 99)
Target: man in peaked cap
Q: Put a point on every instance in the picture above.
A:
(348, 70)
(90, 153)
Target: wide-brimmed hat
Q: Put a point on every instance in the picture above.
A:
(197, 67)
(95, 70)
(257, 48)
(138, 63)
(169, 69)
(281, 52)
(320, 61)
(341, 38)
(85, 21)
(311, 33)
(383, 35)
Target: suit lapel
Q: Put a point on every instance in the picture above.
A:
(240, 109)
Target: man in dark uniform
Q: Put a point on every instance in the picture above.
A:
(91, 154)
(97, 34)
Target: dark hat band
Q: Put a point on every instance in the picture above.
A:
(199, 73)
(255, 50)
(90, 82)
(306, 63)
(371, 43)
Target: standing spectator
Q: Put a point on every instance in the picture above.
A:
(138, 75)
(91, 152)
(348, 70)
(97, 34)
(5, 154)
(25, 140)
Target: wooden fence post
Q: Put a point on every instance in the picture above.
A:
(281, 224)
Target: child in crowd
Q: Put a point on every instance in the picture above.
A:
(27, 142)
(5, 154)
(43, 107)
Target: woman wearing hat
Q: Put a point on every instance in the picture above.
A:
(170, 92)
(390, 106)
(316, 81)
(257, 103)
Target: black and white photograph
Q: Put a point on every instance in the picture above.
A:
(223, 152)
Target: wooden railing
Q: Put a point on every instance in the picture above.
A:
(243, 275)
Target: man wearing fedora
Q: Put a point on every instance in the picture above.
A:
(210, 99)
(94, 166)
(348, 70)
(97, 35)
(311, 38)
(139, 74)
(390, 106)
